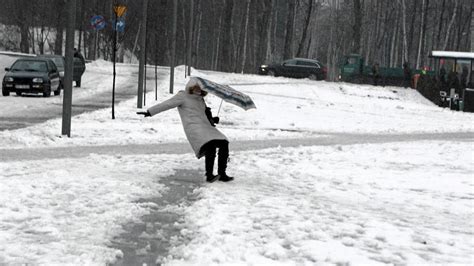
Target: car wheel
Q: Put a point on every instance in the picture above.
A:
(313, 77)
(47, 92)
(18, 93)
(5, 92)
(271, 73)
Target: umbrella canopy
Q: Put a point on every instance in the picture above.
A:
(225, 92)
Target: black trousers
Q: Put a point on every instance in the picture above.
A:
(209, 149)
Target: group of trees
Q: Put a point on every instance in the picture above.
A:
(239, 35)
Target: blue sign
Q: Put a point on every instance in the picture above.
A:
(98, 22)
(120, 25)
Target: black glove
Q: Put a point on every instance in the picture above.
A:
(209, 116)
(146, 114)
(215, 119)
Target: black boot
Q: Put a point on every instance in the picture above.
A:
(222, 163)
(211, 178)
(210, 156)
(225, 178)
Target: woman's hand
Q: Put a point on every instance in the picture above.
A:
(146, 114)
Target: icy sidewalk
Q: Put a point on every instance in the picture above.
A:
(337, 201)
(180, 147)
(364, 204)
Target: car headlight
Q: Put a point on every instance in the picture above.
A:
(264, 66)
(37, 80)
(8, 79)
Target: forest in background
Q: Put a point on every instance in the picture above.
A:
(240, 35)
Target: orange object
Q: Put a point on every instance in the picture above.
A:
(415, 80)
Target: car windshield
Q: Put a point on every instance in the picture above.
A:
(59, 63)
(31, 66)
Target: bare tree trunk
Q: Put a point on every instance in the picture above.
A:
(423, 54)
(218, 41)
(440, 25)
(404, 26)
(224, 63)
(197, 38)
(305, 28)
(33, 40)
(262, 25)
(393, 41)
(313, 46)
(356, 38)
(135, 44)
(270, 39)
(244, 57)
(420, 40)
(288, 51)
(472, 31)
(238, 48)
(450, 25)
(58, 42)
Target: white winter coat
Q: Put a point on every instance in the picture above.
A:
(196, 126)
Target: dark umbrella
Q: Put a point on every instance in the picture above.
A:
(226, 93)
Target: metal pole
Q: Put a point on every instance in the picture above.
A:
(156, 69)
(114, 51)
(69, 68)
(96, 40)
(190, 38)
(219, 108)
(141, 65)
(173, 45)
(144, 77)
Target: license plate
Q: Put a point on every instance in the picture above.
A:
(22, 86)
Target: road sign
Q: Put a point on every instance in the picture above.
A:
(120, 10)
(98, 22)
(119, 26)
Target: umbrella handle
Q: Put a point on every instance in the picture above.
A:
(219, 108)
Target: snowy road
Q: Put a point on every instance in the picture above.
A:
(95, 94)
(181, 148)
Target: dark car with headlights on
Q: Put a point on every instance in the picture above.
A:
(31, 75)
(59, 61)
(296, 68)
(79, 67)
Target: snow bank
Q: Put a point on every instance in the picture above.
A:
(286, 108)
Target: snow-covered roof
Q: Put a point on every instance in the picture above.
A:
(454, 55)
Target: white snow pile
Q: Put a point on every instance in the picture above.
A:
(286, 108)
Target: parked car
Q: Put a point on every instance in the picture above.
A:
(79, 67)
(296, 68)
(32, 75)
(59, 61)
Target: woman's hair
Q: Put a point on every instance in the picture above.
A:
(193, 88)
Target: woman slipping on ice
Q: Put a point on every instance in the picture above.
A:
(199, 127)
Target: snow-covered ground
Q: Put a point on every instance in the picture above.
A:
(285, 108)
(396, 203)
